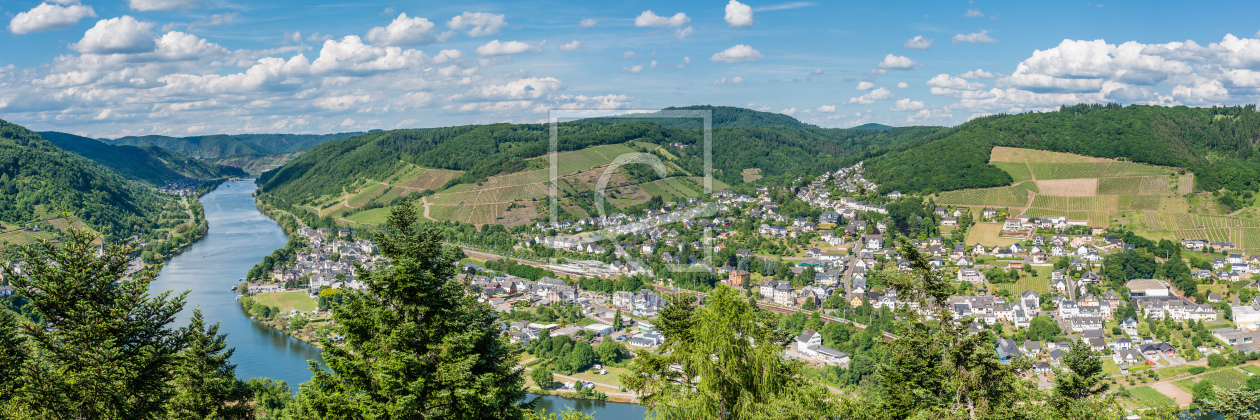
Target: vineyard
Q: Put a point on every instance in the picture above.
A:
(1154, 201)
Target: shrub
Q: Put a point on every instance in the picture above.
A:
(1195, 370)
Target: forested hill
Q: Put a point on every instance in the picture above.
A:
(226, 145)
(780, 152)
(1216, 144)
(151, 164)
(38, 179)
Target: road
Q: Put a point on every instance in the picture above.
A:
(632, 397)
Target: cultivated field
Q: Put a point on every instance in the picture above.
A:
(1149, 397)
(1081, 187)
(987, 234)
(1154, 201)
(286, 301)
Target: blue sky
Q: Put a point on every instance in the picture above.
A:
(189, 67)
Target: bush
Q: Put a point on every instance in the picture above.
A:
(1216, 360)
(1195, 370)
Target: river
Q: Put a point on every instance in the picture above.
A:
(239, 237)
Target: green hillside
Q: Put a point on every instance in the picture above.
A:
(1216, 144)
(341, 173)
(254, 153)
(150, 164)
(38, 180)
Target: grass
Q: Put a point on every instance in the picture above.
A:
(1040, 284)
(987, 235)
(1110, 367)
(1149, 397)
(1224, 378)
(287, 301)
(372, 217)
(1018, 170)
(1251, 368)
(612, 378)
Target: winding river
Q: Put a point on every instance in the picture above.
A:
(240, 236)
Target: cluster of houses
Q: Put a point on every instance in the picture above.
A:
(325, 262)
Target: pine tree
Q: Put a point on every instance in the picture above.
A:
(205, 383)
(108, 348)
(713, 369)
(617, 321)
(417, 344)
(13, 353)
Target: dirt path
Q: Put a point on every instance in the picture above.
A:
(425, 201)
(1031, 195)
(1173, 391)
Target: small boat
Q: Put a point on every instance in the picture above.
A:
(233, 288)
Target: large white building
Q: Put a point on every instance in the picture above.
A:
(1247, 317)
(1148, 288)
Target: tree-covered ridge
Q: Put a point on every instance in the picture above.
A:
(225, 145)
(480, 151)
(36, 175)
(150, 164)
(1217, 144)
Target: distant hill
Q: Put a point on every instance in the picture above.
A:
(464, 158)
(251, 152)
(872, 126)
(151, 164)
(1217, 144)
(39, 180)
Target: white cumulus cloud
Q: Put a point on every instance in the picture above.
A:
(737, 54)
(973, 13)
(571, 46)
(649, 19)
(902, 85)
(120, 35)
(898, 62)
(981, 37)
(589, 22)
(865, 85)
(738, 14)
(907, 104)
(874, 95)
(977, 74)
(47, 17)
(166, 5)
(478, 24)
(919, 43)
(511, 47)
(404, 31)
(826, 108)
(788, 111)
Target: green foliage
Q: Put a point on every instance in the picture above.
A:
(743, 380)
(779, 146)
(271, 397)
(108, 351)
(13, 354)
(36, 174)
(151, 164)
(1195, 370)
(1203, 392)
(233, 145)
(1044, 329)
(417, 326)
(205, 383)
(542, 376)
(1083, 378)
(610, 351)
(1167, 136)
(1234, 404)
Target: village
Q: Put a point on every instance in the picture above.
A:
(832, 263)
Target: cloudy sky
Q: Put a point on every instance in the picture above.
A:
(189, 67)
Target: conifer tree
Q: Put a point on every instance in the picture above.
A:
(205, 382)
(417, 344)
(107, 350)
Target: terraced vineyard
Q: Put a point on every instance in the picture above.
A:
(1152, 200)
(488, 201)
